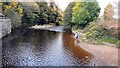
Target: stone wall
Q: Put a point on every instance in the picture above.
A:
(5, 27)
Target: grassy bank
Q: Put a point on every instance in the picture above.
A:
(96, 34)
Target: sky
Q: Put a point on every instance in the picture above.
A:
(102, 3)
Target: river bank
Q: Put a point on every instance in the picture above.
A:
(108, 55)
(44, 27)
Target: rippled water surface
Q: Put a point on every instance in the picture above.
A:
(42, 48)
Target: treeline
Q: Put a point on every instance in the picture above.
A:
(31, 13)
(97, 30)
(105, 29)
(80, 14)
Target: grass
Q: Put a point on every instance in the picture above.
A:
(99, 41)
(109, 40)
(112, 40)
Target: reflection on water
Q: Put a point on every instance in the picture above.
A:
(41, 48)
(72, 45)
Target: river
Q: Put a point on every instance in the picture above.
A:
(34, 47)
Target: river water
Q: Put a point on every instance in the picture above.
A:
(33, 47)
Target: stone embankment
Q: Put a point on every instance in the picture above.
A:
(5, 26)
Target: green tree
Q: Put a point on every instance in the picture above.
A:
(30, 13)
(56, 14)
(68, 14)
(43, 14)
(53, 12)
(59, 17)
(84, 13)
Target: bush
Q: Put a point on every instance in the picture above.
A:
(99, 33)
(94, 30)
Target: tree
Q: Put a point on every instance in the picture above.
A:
(108, 12)
(43, 14)
(30, 13)
(55, 15)
(60, 16)
(53, 12)
(68, 14)
(33, 12)
(14, 11)
(84, 13)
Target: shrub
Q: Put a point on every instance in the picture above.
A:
(94, 30)
(99, 33)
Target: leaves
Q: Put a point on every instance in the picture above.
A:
(68, 14)
(85, 12)
(14, 11)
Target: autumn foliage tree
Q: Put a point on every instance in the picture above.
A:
(14, 11)
(108, 12)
